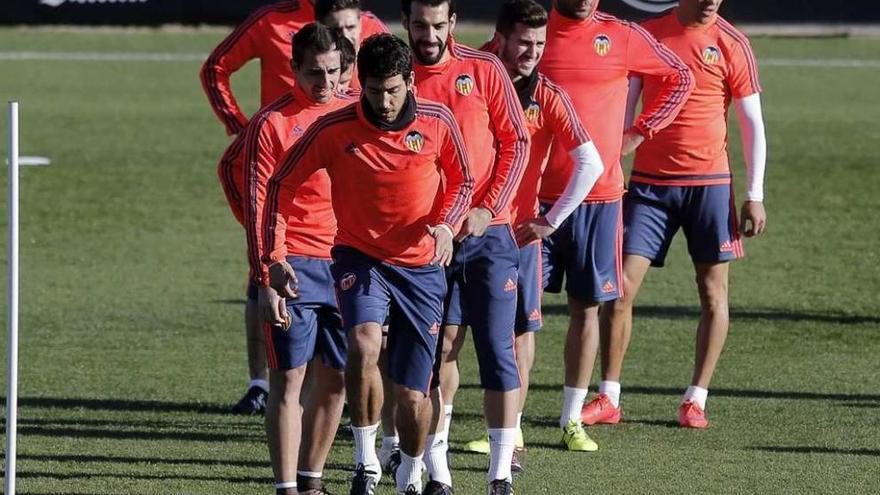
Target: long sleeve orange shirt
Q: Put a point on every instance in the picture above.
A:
(387, 186)
(592, 60)
(265, 35)
(476, 88)
(310, 225)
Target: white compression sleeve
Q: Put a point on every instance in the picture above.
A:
(751, 124)
(632, 101)
(587, 170)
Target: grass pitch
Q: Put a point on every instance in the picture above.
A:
(133, 277)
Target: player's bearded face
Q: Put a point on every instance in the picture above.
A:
(429, 29)
(387, 96)
(522, 49)
(349, 22)
(576, 9)
(319, 74)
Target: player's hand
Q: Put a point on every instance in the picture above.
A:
(273, 308)
(442, 245)
(282, 278)
(533, 230)
(753, 219)
(632, 139)
(475, 224)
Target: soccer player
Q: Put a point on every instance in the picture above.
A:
(591, 55)
(519, 41)
(681, 180)
(475, 86)
(312, 326)
(265, 35)
(401, 187)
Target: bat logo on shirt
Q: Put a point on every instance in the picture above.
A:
(464, 84)
(533, 112)
(711, 55)
(415, 141)
(297, 130)
(602, 45)
(347, 281)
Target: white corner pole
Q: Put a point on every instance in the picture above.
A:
(12, 307)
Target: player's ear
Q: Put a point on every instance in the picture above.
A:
(452, 20)
(404, 21)
(410, 81)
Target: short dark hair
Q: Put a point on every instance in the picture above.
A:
(406, 5)
(513, 12)
(382, 56)
(323, 8)
(316, 37)
(347, 53)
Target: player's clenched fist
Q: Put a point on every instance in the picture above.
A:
(282, 278)
(754, 218)
(475, 224)
(533, 230)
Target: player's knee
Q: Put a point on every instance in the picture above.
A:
(365, 345)
(451, 344)
(409, 400)
(713, 296)
(286, 384)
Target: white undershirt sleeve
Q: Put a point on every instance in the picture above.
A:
(754, 140)
(587, 170)
(632, 101)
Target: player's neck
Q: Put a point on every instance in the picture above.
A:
(691, 18)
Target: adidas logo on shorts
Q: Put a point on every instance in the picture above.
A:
(608, 287)
(510, 286)
(535, 315)
(726, 247)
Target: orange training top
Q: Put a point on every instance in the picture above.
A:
(476, 87)
(387, 185)
(310, 223)
(593, 59)
(267, 35)
(692, 151)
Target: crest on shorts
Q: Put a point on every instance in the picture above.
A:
(347, 281)
(602, 45)
(415, 141)
(464, 84)
(533, 111)
(435, 329)
(711, 55)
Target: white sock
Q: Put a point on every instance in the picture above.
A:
(365, 447)
(435, 460)
(519, 420)
(697, 395)
(502, 442)
(310, 474)
(409, 473)
(612, 390)
(285, 485)
(263, 384)
(390, 443)
(447, 419)
(572, 402)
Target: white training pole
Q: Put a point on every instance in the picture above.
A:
(12, 307)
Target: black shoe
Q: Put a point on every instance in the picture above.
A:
(253, 402)
(437, 488)
(394, 464)
(364, 482)
(516, 467)
(411, 490)
(500, 487)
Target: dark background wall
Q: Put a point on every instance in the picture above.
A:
(155, 12)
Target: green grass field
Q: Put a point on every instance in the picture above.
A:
(133, 275)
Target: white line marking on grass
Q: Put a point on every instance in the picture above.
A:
(834, 63)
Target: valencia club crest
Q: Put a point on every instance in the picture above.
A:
(415, 141)
(464, 84)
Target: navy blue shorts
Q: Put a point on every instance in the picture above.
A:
(315, 328)
(707, 215)
(253, 292)
(410, 299)
(482, 294)
(586, 251)
(529, 289)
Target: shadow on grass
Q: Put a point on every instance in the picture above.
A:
(693, 312)
(724, 392)
(265, 480)
(120, 405)
(818, 450)
(109, 459)
(117, 434)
